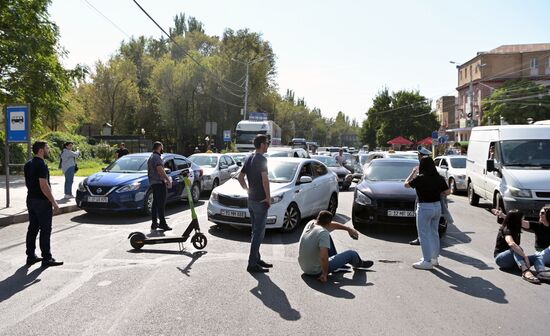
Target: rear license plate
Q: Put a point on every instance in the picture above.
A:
(400, 213)
(233, 213)
(97, 199)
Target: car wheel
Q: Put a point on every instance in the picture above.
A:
(195, 192)
(452, 185)
(473, 198)
(333, 204)
(291, 218)
(148, 203)
(498, 203)
(215, 184)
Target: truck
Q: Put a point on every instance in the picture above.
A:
(246, 131)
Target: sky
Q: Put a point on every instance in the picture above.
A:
(336, 54)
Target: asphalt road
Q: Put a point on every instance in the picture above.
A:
(106, 288)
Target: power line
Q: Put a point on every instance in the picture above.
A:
(106, 18)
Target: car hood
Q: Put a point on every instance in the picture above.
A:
(535, 179)
(208, 170)
(233, 188)
(114, 179)
(386, 189)
(339, 170)
(458, 171)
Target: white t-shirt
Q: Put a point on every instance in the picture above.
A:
(313, 238)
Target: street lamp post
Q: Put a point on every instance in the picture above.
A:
(247, 66)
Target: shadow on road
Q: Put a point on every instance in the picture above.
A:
(464, 259)
(336, 282)
(390, 233)
(194, 257)
(131, 217)
(274, 297)
(19, 281)
(473, 286)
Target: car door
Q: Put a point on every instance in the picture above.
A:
(172, 191)
(322, 185)
(492, 179)
(444, 169)
(224, 169)
(306, 194)
(181, 165)
(233, 167)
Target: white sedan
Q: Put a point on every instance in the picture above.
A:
(300, 188)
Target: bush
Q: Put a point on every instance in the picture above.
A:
(57, 139)
(18, 154)
(105, 152)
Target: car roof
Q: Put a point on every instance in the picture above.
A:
(450, 156)
(207, 154)
(382, 160)
(288, 159)
(147, 154)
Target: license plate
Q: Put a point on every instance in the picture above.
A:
(97, 199)
(401, 213)
(233, 213)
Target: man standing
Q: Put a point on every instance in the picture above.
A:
(259, 201)
(39, 204)
(340, 158)
(317, 255)
(122, 150)
(159, 182)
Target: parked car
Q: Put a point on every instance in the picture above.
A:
(300, 188)
(286, 152)
(453, 169)
(238, 158)
(359, 161)
(124, 186)
(217, 169)
(381, 196)
(344, 175)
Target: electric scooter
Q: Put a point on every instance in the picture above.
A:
(199, 241)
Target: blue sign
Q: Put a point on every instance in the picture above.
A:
(435, 135)
(257, 116)
(442, 139)
(18, 123)
(227, 135)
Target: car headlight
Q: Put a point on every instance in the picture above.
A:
(522, 193)
(362, 199)
(129, 187)
(82, 186)
(276, 199)
(460, 177)
(214, 196)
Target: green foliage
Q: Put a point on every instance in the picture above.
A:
(402, 113)
(18, 154)
(516, 101)
(105, 152)
(57, 139)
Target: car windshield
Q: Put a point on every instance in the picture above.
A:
(458, 162)
(328, 161)
(525, 153)
(204, 160)
(277, 154)
(247, 137)
(128, 164)
(281, 172)
(403, 155)
(238, 158)
(389, 171)
(363, 159)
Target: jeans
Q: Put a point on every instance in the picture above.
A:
(427, 224)
(258, 217)
(510, 259)
(69, 177)
(40, 220)
(544, 256)
(159, 203)
(338, 260)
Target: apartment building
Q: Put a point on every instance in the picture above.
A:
(487, 71)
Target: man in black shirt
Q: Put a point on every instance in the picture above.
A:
(259, 201)
(39, 204)
(122, 150)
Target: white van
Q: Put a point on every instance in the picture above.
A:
(510, 167)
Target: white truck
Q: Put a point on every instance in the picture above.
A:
(247, 130)
(510, 167)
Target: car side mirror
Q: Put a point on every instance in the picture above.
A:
(491, 165)
(167, 170)
(239, 164)
(305, 179)
(185, 172)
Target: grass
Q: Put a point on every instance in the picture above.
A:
(85, 168)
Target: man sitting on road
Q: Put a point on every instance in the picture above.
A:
(317, 255)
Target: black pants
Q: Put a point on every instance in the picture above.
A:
(40, 220)
(159, 203)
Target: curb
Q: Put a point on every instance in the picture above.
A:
(24, 217)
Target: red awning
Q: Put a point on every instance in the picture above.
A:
(400, 141)
(425, 142)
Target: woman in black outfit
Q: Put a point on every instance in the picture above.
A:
(429, 186)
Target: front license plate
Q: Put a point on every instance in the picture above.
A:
(400, 213)
(97, 199)
(233, 213)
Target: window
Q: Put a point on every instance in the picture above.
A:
(319, 169)
(229, 160)
(181, 164)
(548, 66)
(306, 170)
(534, 66)
(170, 165)
(444, 163)
(436, 161)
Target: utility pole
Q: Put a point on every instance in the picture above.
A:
(246, 92)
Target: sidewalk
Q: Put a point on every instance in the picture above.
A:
(17, 212)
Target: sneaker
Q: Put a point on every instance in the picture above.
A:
(435, 262)
(165, 227)
(264, 264)
(423, 265)
(51, 262)
(68, 196)
(415, 242)
(365, 264)
(33, 260)
(154, 226)
(543, 276)
(256, 269)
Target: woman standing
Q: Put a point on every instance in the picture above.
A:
(429, 186)
(68, 166)
(508, 252)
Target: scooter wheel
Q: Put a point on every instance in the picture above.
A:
(199, 241)
(137, 240)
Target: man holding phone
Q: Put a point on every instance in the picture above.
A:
(159, 182)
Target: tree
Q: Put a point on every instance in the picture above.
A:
(402, 113)
(516, 101)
